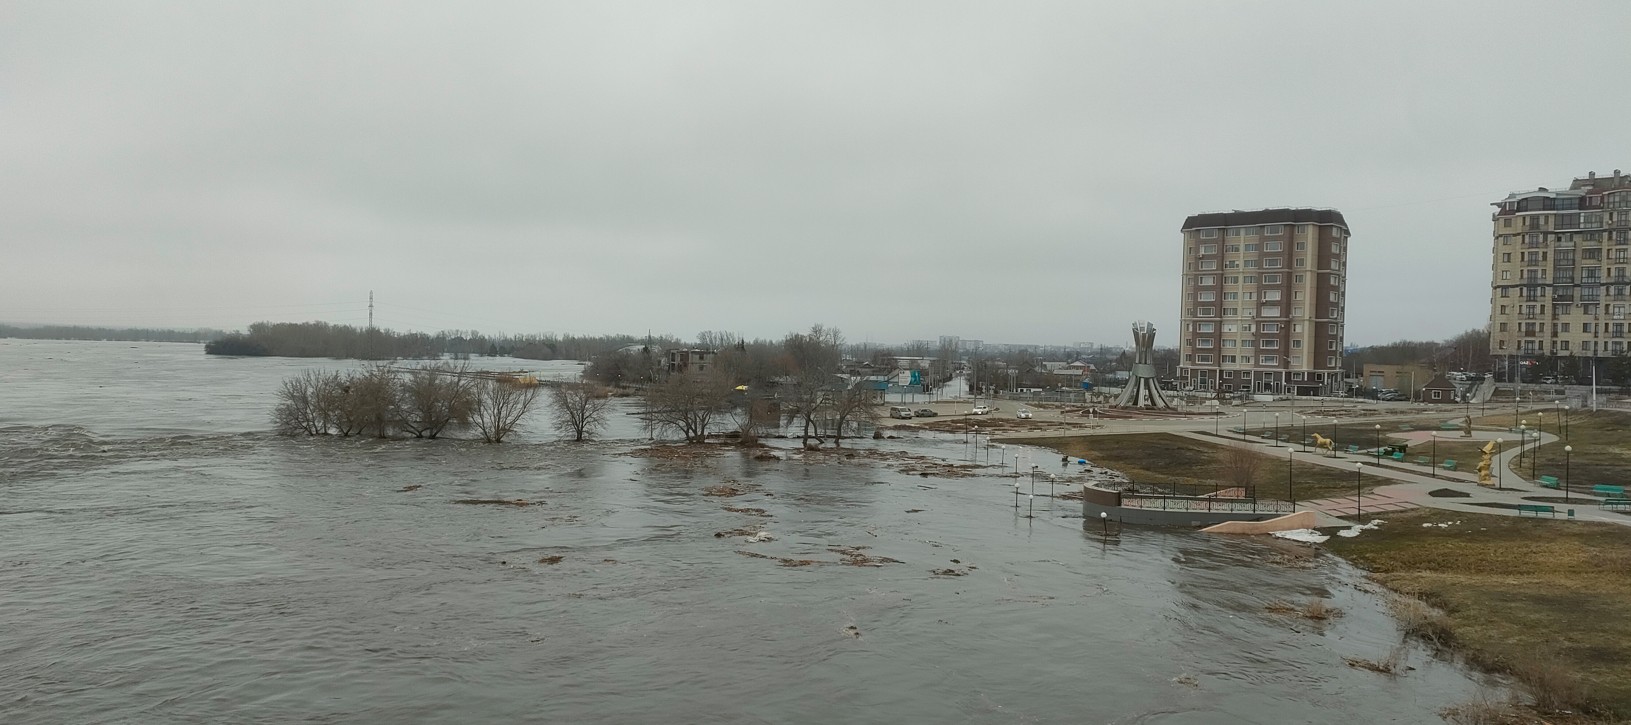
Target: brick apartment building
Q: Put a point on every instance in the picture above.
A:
(1264, 294)
(1559, 278)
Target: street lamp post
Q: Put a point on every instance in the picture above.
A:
(1567, 450)
(1565, 421)
(1500, 447)
(1433, 465)
(1378, 429)
(1290, 495)
(1359, 509)
(1523, 440)
(1276, 430)
(1243, 426)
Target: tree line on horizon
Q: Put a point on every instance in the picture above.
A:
(110, 334)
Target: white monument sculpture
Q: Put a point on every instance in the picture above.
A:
(1142, 390)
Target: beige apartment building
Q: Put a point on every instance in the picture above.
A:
(1264, 294)
(1559, 275)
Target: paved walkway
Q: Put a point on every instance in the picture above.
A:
(1412, 489)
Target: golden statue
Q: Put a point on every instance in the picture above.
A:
(1484, 464)
(1324, 444)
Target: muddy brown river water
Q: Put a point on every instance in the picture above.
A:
(165, 559)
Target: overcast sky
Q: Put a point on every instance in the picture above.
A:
(1014, 172)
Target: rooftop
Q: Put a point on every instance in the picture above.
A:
(1238, 218)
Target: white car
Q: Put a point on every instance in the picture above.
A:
(981, 410)
(1023, 414)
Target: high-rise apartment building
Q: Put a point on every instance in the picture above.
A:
(1264, 293)
(1559, 279)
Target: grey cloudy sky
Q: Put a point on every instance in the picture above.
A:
(1006, 171)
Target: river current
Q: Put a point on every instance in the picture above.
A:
(164, 558)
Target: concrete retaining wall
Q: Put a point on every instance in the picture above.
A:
(1157, 517)
(1288, 522)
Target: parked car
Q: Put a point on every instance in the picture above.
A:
(900, 411)
(981, 410)
(1389, 395)
(925, 413)
(1022, 414)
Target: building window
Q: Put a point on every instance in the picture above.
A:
(1207, 296)
(1271, 295)
(1209, 264)
(1251, 264)
(1231, 311)
(1207, 280)
(1269, 327)
(1330, 361)
(1209, 234)
(1296, 344)
(1274, 229)
(1268, 359)
(1273, 246)
(1268, 344)
(1271, 279)
(1205, 312)
(1270, 311)
(1203, 342)
(1272, 262)
(1209, 249)
(1203, 358)
(1302, 262)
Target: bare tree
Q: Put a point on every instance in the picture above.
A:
(299, 409)
(689, 403)
(500, 407)
(1241, 464)
(812, 358)
(856, 403)
(433, 399)
(579, 409)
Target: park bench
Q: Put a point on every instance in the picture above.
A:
(1353, 448)
(1549, 481)
(1267, 436)
(1448, 465)
(1398, 456)
(1449, 426)
(1536, 509)
(1237, 429)
(1422, 461)
(1607, 491)
(1615, 504)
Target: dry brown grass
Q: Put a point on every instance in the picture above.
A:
(1510, 592)
(1422, 620)
(1158, 458)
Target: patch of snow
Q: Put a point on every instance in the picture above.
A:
(761, 536)
(1353, 531)
(1444, 525)
(1305, 535)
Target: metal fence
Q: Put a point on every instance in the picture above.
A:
(1188, 503)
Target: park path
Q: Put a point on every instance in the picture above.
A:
(1412, 487)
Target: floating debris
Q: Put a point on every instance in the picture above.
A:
(948, 572)
(852, 631)
(857, 556)
(761, 536)
(555, 559)
(743, 531)
(747, 510)
(414, 487)
(495, 502)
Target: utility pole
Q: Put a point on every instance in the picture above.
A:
(370, 324)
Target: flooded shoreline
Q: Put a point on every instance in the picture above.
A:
(235, 575)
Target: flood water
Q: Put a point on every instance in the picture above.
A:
(165, 559)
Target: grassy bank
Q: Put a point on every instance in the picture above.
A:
(1167, 458)
(1544, 600)
(1602, 451)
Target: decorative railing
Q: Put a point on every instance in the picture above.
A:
(1191, 503)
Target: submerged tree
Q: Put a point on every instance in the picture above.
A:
(500, 405)
(579, 410)
(300, 409)
(689, 403)
(433, 399)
